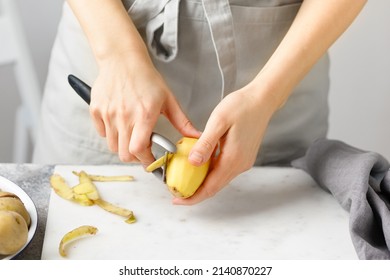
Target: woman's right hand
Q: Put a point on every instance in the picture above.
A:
(127, 98)
(129, 94)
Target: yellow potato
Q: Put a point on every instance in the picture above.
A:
(16, 205)
(7, 194)
(182, 178)
(13, 232)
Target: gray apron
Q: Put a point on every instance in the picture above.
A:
(204, 49)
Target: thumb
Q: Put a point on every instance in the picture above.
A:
(205, 146)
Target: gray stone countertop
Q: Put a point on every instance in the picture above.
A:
(34, 180)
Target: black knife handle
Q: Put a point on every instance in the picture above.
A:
(81, 88)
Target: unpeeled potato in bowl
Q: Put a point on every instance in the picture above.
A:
(14, 223)
(11, 202)
(13, 232)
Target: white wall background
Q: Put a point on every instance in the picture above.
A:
(360, 90)
(40, 19)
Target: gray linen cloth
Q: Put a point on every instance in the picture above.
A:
(360, 181)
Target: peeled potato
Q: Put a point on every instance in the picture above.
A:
(13, 232)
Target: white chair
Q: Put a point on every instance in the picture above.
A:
(14, 50)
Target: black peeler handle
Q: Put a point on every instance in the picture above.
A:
(81, 88)
(84, 91)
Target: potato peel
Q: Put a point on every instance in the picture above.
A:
(83, 200)
(103, 178)
(60, 187)
(74, 234)
(158, 163)
(109, 207)
(87, 188)
(86, 194)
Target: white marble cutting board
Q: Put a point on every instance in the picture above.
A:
(265, 213)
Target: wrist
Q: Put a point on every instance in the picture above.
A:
(124, 55)
(108, 28)
(265, 91)
(104, 52)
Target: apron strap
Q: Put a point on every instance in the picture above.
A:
(160, 18)
(219, 17)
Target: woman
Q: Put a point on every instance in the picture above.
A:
(251, 74)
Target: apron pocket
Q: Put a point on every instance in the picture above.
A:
(264, 15)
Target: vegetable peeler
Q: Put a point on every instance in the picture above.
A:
(84, 91)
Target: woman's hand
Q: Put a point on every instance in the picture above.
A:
(237, 124)
(129, 94)
(240, 120)
(127, 98)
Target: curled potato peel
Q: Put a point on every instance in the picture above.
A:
(60, 187)
(75, 234)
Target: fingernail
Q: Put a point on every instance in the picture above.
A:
(196, 157)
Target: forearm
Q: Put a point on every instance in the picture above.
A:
(108, 28)
(316, 27)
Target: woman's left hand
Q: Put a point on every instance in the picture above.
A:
(237, 124)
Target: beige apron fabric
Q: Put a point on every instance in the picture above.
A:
(203, 48)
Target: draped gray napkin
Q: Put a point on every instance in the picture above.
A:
(360, 181)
